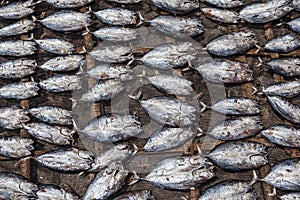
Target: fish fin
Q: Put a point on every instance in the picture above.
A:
(83, 51)
(255, 178)
(34, 19)
(87, 31)
(74, 101)
(259, 48)
(136, 149)
(200, 132)
(142, 19)
(136, 97)
(204, 106)
(134, 179)
(274, 193)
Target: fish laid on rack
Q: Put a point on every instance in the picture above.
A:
(18, 28)
(19, 90)
(17, 48)
(52, 192)
(20, 68)
(117, 16)
(221, 15)
(115, 34)
(125, 1)
(111, 71)
(283, 43)
(180, 7)
(226, 3)
(13, 117)
(136, 195)
(64, 63)
(62, 83)
(112, 54)
(285, 89)
(17, 10)
(16, 147)
(294, 25)
(288, 67)
(68, 3)
(54, 45)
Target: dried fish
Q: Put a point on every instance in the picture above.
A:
(181, 173)
(168, 138)
(172, 84)
(221, 15)
(296, 4)
(107, 182)
(113, 128)
(136, 195)
(17, 48)
(177, 6)
(112, 54)
(285, 108)
(116, 34)
(111, 71)
(64, 63)
(226, 3)
(62, 83)
(17, 28)
(15, 186)
(237, 156)
(52, 134)
(287, 67)
(177, 26)
(283, 135)
(55, 46)
(68, 3)
(67, 20)
(235, 129)
(19, 68)
(265, 12)
(295, 25)
(13, 117)
(16, 147)
(52, 115)
(66, 160)
(172, 55)
(232, 43)
(125, 1)
(225, 71)
(283, 43)
(230, 189)
(290, 196)
(117, 16)
(20, 90)
(235, 106)
(17, 10)
(285, 89)
(48, 192)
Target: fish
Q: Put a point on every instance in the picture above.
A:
(55, 46)
(17, 10)
(287, 67)
(64, 63)
(111, 71)
(15, 186)
(285, 89)
(296, 5)
(237, 156)
(226, 3)
(117, 16)
(112, 54)
(136, 195)
(19, 90)
(18, 28)
(19, 68)
(294, 25)
(62, 83)
(172, 84)
(67, 20)
(12, 118)
(47, 192)
(234, 106)
(52, 134)
(68, 3)
(180, 7)
(221, 15)
(285, 108)
(177, 26)
(52, 115)
(113, 128)
(236, 129)
(168, 138)
(66, 160)
(16, 147)
(17, 48)
(290, 196)
(171, 55)
(283, 43)
(234, 43)
(230, 189)
(270, 10)
(116, 34)
(181, 173)
(125, 1)
(225, 71)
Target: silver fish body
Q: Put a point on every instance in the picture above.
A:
(296, 4)
(136, 195)
(169, 111)
(17, 48)
(16, 147)
(232, 43)
(288, 67)
(50, 192)
(125, 1)
(286, 89)
(117, 16)
(19, 68)
(52, 115)
(168, 138)
(17, 28)
(237, 156)
(290, 196)
(295, 25)
(177, 6)
(68, 3)
(52, 134)
(17, 10)
(62, 83)
(15, 186)
(235, 129)
(287, 136)
(225, 71)
(113, 128)
(66, 160)
(64, 63)
(67, 20)
(226, 3)
(221, 15)
(283, 43)
(116, 34)
(111, 71)
(13, 117)
(20, 90)
(177, 26)
(112, 54)
(55, 46)
(285, 108)
(172, 84)
(265, 12)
